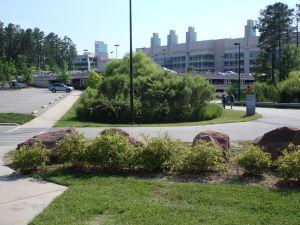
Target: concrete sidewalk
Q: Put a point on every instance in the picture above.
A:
(22, 198)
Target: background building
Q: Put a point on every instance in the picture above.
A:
(86, 61)
(205, 57)
(93, 60)
(100, 47)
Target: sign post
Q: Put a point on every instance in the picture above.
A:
(251, 102)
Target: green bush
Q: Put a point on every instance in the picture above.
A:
(94, 80)
(29, 159)
(159, 95)
(289, 163)
(253, 160)
(211, 111)
(265, 92)
(204, 157)
(85, 108)
(72, 149)
(290, 88)
(111, 151)
(154, 156)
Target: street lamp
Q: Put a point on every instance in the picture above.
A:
(117, 45)
(239, 44)
(112, 52)
(188, 60)
(131, 65)
(297, 20)
(164, 50)
(222, 63)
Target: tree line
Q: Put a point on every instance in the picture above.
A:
(278, 53)
(24, 51)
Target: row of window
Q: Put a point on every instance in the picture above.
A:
(203, 56)
(202, 64)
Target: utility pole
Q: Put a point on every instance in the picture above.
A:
(131, 65)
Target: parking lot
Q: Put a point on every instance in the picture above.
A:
(26, 100)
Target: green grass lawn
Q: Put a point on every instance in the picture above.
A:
(117, 200)
(18, 118)
(229, 116)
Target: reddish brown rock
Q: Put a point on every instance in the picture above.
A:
(216, 138)
(277, 140)
(296, 139)
(115, 130)
(138, 140)
(49, 139)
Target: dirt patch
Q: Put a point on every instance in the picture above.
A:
(8, 158)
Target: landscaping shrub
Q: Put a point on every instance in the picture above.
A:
(72, 149)
(289, 163)
(87, 101)
(29, 159)
(211, 111)
(111, 151)
(290, 88)
(159, 95)
(265, 92)
(204, 157)
(253, 160)
(154, 156)
(94, 80)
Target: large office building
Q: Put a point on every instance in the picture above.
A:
(93, 60)
(205, 57)
(100, 47)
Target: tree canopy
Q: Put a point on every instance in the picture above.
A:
(275, 25)
(31, 48)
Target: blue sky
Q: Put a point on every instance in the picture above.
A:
(107, 20)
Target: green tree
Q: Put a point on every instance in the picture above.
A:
(7, 71)
(290, 61)
(64, 77)
(275, 27)
(94, 80)
(23, 69)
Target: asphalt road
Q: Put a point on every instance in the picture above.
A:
(26, 100)
(245, 131)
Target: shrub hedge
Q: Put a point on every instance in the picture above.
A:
(253, 160)
(159, 95)
(289, 163)
(29, 159)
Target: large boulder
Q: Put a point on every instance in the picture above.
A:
(275, 141)
(138, 140)
(216, 138)
(115, 130)
(296, 139)
(49, 139)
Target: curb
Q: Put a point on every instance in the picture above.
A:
(9, 124)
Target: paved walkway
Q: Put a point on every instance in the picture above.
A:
(22, 198)
(245, 131)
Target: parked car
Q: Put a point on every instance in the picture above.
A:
(60, 87)
(4, 86)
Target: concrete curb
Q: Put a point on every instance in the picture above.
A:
(9, 124)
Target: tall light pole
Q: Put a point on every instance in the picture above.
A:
(297, 21)
(164, 50)
(131, 65)
(239, 44)
(117, 45)
(112, 52)
(188, 61)
(223, 63)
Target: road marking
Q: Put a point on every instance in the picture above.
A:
(16, 128)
